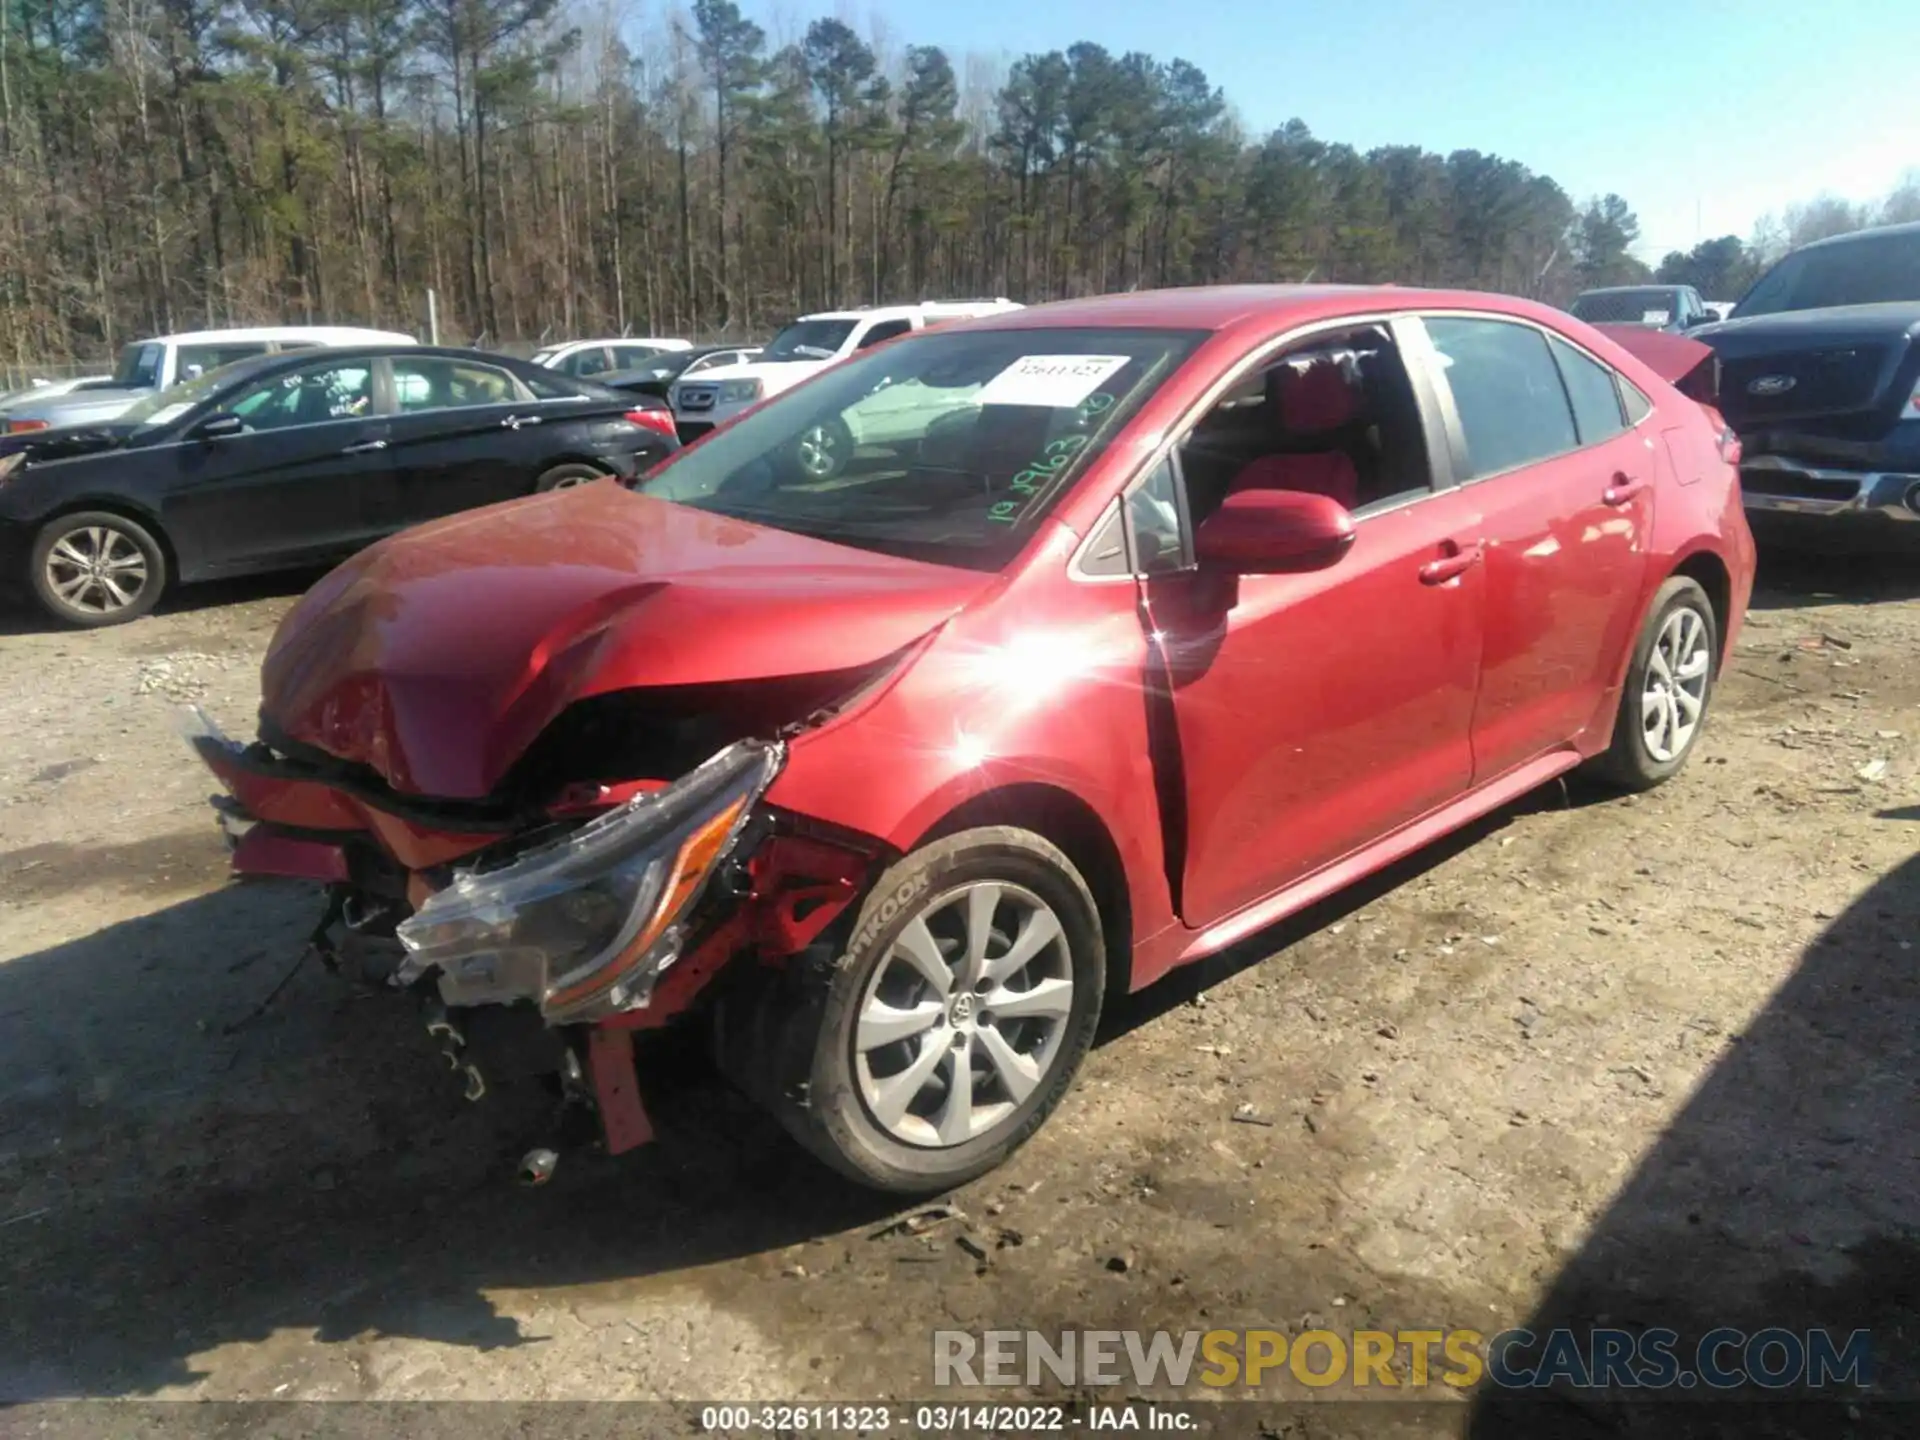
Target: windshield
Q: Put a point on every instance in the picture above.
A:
(809, 340)
(1627, 307)
(947, 447)
(1866, 271)
(165, 406)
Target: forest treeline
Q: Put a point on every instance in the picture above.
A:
(549, 169)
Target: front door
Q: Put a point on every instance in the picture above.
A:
(1566, 492)
(1316, 712)
(292, 487)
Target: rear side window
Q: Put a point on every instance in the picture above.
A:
(591, 361)
(885, 330)
(437, 384)
(546, 387)
(1506, 389)
(1590, 386)
(1638, 405)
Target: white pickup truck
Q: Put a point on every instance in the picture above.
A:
(805, 348)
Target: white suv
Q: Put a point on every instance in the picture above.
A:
(805, 348)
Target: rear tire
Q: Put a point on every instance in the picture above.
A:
(565, 477)
(94, 568)
(1663, 704)
(859, 1054)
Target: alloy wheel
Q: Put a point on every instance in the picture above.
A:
(964, 1016)
(96, 570)
(820, 452)
(1674, 694)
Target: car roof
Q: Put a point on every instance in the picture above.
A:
(1225, 307)
(279, 332)
(1873, 232)
(333, 354)
(669, 341)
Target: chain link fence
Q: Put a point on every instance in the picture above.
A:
(22, 375)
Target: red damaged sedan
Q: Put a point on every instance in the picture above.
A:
(989, 674)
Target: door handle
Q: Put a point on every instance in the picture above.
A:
(1622, 490)
(514, 422)
(365, 447)
(1450, 567)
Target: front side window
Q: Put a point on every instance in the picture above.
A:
(307, 397)
(163, 407)
(1506, 390)
(203, 359)
(948, 447)
(1595, 396)
(139, 367)
(1153, 521)
(435, 384)
(809, 340)
(1336, 416)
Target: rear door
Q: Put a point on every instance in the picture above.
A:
(464, 434)
(1565, 490)
(293, 486)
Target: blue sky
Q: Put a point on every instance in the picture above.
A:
(1704, 114)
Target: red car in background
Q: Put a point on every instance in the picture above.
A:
(1159, 617)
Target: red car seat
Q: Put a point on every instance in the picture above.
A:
(1311, 397)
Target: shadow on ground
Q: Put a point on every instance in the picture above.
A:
(20, 613)
(1788, 579)
(1782, 1196)
(167, 1186)
(175, 1176)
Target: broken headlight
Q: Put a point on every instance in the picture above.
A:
(585, 925)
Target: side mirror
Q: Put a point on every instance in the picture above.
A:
(218, 427)
(1273, 532)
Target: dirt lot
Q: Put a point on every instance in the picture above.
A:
(1652, 1060)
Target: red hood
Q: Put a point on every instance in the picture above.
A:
(437, 656)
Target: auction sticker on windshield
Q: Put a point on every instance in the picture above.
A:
(1058, 381)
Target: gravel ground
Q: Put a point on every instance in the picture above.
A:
(1649, 1059)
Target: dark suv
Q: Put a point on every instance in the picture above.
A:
(1820, 377)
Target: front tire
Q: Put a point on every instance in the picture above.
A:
(956, 1018)
(1663, 704)
(95, 568)
(823, 450)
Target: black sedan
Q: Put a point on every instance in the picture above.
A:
(656, 377)
(291, 460)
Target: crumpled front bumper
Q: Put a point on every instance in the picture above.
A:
(785, 879)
